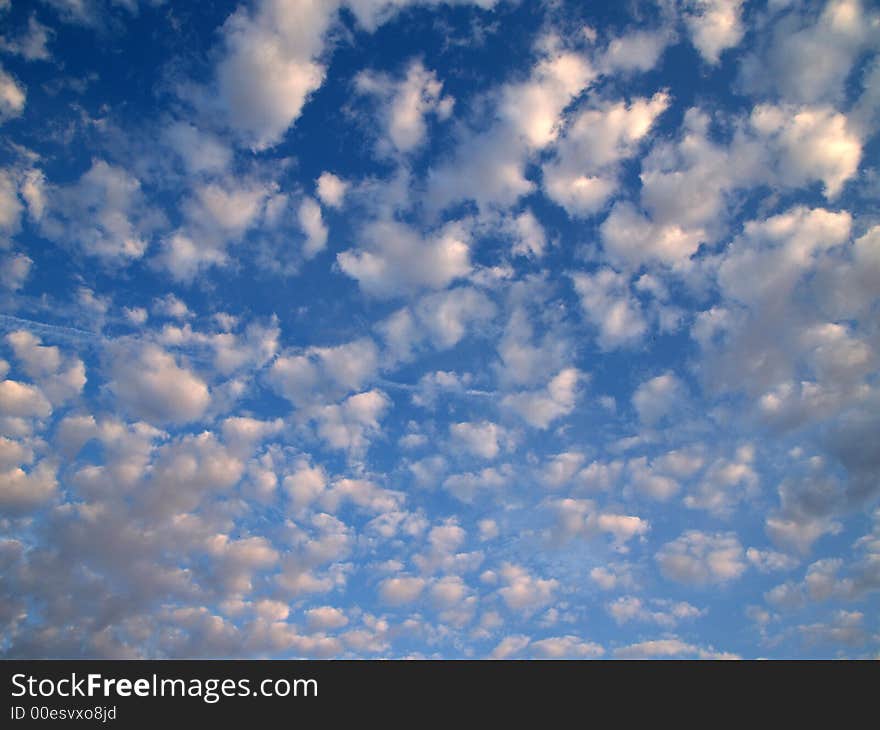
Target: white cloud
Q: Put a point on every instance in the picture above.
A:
(524, 592)
(22, 400)
(396, 260)
(662, 612)
(540, 408)
(669, 647)
(331, 190)
(172, 307)
(480, 438)
(350, 425)
(12, 97)
(447, 316)
(59, 380)
(608, 303)
(812, 143)
(582, 177)
(405, 104)
(726, 483)
(806, 55)
(322, 373)
(271, 65)
(631, 238)
(10, 206)
(14, 271)
(105, 212)
(466, 486)
(561, 647)
(715, 26)
(700, 558)
(648, 481)
(305, 484)
(326, 617)
(638, 50)
(22, 490)
(312, 224)
(400, 591)
(200, 150)
(149, 383)
(488, 166)
(581, 518)
(657, 397)
(510, 646)
(30, 44)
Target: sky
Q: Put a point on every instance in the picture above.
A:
(439, 329)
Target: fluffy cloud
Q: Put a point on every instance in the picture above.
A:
(322, 373)
(700, 558)
(23, 400)
(540, 408)
(105, 212)
(60, 380)
(581, 518)
(609, 304)
(350, 425)
(812, 143)
(571, 323)
(14, 271)
(12, 97)
(583, 175)
(405, 104)
(331, 189)
(399, 591)
(657, 397)
(271, 65)
(157, 388)
(480, 439)
(715, 26)
(309, 215)
(524, 592)
(488, 166)
(31, 43)
(396, 260)
(809, 50)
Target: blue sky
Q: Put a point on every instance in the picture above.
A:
(360, 328)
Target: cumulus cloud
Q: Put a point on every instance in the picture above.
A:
(12, 97)
(610, 305)
(59, 378)
(582, 518)
(31, 43)
(540, 408)
(657, 397)
(331, 189)
(809, 50)
(350, 425)
(812, 143)
(399, 591)
(715, 26)
(488, 166)
(480, 439)
(105, 213)
(322, 373)
(524, 592)
(395, 259)
(583, 175)
(570, 310)
(14, 270)
(404, 105)
(151, 384)
(271, 65)
(309, 215)
(700, 558)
